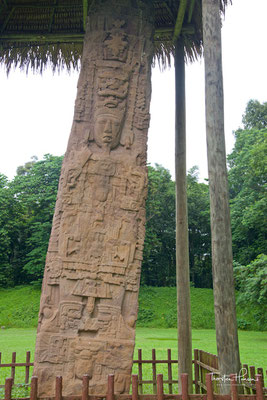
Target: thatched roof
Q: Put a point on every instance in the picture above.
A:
(34, 33)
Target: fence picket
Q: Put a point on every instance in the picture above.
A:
(154, 372)
(13, 368)
(252, 372)
(27, 367)
(169, 356)
(140, 372)
(196, 370)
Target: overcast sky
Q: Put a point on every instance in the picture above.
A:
(36, 111)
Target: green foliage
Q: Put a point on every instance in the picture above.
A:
(158, 267)
(199, 230)
(26, 212)
(251, 281)
(159, 264)
(255, 116)
(247, 182)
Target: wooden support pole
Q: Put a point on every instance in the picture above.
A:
(222, 260)
(182, 247)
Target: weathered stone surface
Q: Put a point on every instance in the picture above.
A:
(90, 290)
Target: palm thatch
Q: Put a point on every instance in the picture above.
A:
(37, 33)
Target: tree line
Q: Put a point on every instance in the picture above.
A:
(27, 206)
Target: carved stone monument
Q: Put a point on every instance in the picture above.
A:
(90, 290)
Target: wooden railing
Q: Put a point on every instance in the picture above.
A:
(204, 363)
(159, 395)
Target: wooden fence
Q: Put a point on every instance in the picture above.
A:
(204, 363)
(160, 395)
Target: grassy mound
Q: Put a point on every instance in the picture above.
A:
(157, 308)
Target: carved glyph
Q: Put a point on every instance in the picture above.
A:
(90, 291)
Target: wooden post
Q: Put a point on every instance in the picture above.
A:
(8, 388)
(110, 392)
(13, 368)
(184, 386)
(234, 391)
(182, 248)
(85, 387)
(27, 368)
(259, 387)
(169, 353)
(210, 395)
(58, 395)
(196, 369)
(154, 371)
(140, 371)
(34, 388)
(160, 391)
(134, 387)
(222, 260)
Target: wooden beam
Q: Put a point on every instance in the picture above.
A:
(179, 20)
(48, 38)
(191, 10)
(36, 6)
(186, 30)
(85, 13)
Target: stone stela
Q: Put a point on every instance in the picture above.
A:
(89, 297)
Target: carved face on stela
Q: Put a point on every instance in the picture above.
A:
(108, 128)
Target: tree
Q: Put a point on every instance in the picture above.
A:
(35, 190)
(251, 281)
(255, 115)
(199, 230)
(247, 181)
(158, 267)
(11, 232)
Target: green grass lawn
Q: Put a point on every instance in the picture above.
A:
(253, 346)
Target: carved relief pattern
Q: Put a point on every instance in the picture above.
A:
(90, 292)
